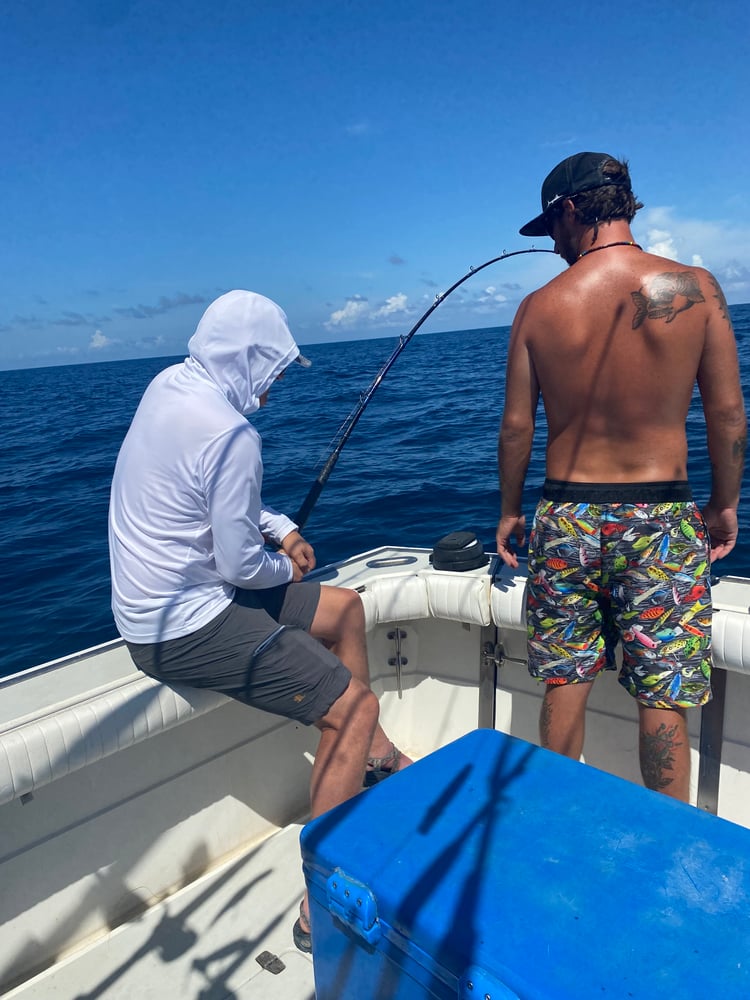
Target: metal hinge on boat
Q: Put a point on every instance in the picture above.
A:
(398, 661)
(494, 654)
(354, 905)
(478, 984)
(491, 660)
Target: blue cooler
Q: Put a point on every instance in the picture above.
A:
(495, 869)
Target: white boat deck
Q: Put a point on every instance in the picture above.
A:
(202, 942)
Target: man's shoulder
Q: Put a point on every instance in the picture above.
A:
(653, 267)
(661, 280)
(655, 263)
(673, 262)
(549, 295)
(647, 269)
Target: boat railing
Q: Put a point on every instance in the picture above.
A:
(63, 737)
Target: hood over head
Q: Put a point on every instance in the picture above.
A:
(243, 343)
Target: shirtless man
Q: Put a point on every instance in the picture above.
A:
(618, 549)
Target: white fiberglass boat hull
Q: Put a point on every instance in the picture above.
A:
(148, 839)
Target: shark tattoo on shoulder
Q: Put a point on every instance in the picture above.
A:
(659, 298)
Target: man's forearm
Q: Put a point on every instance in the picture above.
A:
(727, 440)
(513, 456)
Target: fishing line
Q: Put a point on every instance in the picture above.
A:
(344, 432)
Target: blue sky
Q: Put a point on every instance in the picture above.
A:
(348, 159)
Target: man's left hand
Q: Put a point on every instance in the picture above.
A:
(722, 529)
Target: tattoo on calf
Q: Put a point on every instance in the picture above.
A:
(656, 300)
(657, 756)
(545, 722)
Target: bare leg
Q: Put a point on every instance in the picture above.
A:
(562, 720)
(345, 736)
(664, 748)
(350, 732)
(340, 623)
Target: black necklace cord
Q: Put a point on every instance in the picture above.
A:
(350, 423)
(606, 246)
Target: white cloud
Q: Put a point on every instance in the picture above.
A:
(734, 278)
(661, 242)
(717, 245)
(358, 312)
(98, 340)
(715, 242)
(736, 271)
(491, 294)
(394, 304)
(720, 245)
(354, 310)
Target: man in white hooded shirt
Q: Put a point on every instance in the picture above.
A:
(196, 594)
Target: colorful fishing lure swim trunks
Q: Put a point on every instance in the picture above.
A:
(634, 572)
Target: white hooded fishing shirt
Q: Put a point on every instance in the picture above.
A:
(186, 518)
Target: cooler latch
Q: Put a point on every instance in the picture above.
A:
(354, 905)
(478, 984)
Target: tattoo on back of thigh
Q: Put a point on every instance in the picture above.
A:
(659, 297)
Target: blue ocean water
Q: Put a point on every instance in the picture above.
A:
(420, 463)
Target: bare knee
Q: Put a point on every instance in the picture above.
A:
(352, 610)
(357, 706)
(340, 615)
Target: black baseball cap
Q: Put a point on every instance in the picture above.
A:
(579, 173)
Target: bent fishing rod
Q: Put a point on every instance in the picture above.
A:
(344, 432)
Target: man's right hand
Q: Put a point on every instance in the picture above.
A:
(510, 526)
(722, 529)
(297, 571)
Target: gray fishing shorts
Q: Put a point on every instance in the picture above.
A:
(247, 654)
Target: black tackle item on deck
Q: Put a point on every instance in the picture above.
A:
(458, 552)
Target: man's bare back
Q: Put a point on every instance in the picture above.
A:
(616, 344)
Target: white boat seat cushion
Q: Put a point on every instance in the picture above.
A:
(508, 602)
(394, 598)
(730, 641)
(38, 750)
(458, 597)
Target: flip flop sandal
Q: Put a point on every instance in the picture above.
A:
(302, 938)
(380, 768)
